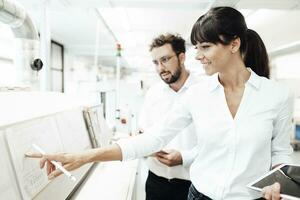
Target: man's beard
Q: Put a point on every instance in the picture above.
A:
(174, 77)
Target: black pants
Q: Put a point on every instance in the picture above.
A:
(159, 188)
(195, 195)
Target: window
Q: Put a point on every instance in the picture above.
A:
(57, 67)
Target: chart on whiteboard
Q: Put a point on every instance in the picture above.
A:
(20, 137)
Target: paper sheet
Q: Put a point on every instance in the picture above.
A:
(98, 125)
(20, 137)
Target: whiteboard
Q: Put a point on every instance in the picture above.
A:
(73, 131)
(43, 132)
(61, 132)
(99, 131)
(8, 186)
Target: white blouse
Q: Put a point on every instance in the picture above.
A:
(231, 152)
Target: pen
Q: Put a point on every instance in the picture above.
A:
(56, 164)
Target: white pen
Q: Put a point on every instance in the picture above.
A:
(56, 164)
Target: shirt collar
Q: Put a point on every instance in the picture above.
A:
(214, 82)
(254, 80)
(191, 79)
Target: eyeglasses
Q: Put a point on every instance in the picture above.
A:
(163, 60)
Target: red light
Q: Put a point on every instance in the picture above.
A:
(118, 46)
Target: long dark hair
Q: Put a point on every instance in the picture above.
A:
(224, 24)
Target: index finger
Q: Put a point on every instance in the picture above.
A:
(33, 155)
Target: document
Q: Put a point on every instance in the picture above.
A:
(20, 137)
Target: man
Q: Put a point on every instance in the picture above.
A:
(168, 176)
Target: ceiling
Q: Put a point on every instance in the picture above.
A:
(133, 23)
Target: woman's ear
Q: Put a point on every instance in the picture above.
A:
(235, 45)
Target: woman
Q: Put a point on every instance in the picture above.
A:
(242, 118)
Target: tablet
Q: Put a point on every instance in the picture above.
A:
(287, 175)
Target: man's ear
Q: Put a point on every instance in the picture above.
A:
(181, 57)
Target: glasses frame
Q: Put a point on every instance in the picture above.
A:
(163, 60)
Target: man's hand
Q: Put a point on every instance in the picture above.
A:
(68, 161)
(272, 192)
(169, 157)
